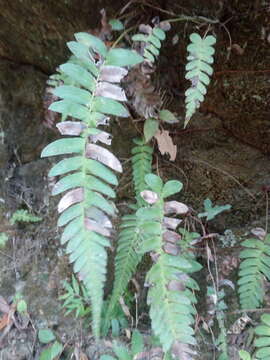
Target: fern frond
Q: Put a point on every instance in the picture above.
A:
(170, 294)
(199, 69)
(255, 265)
(85, 208)
(130, 236)
(141, 165)
(263, 340)
(151, 38)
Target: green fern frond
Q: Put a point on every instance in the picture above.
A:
(141, 165)
(131, 236)
(255, 265)
(85, 208)
(151, 38)
(199, 69)
(263, 340)
(23, 216)
(170, 294)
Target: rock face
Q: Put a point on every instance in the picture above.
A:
(224, 155)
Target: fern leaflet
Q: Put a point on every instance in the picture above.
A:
(263, 340)
(199, 70)
(254, 267)
(85, 208)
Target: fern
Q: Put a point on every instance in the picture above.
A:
(85, 207)
(130, 236)
(254, 267)
(263, 340)
(23, 216)
(170, 294)
(151, 38)
(199, 70)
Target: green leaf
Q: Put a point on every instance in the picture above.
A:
(45, 336)
(168, 117)
(116, 24)
(121, 351)
(154, 182)
(64, 146)
(73, 93)
(210, 211)
(22, 306)
(123, 57)
(80, 75)
(3, 239)
(266, 319)
(52, 352)
(137, 343)
(109, 106)
(150, 128)
(69, 108)
(92, 42)
(171, 187)
(107, 357)
(159, 33)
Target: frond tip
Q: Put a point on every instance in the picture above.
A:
(254, 267)
(199, 70)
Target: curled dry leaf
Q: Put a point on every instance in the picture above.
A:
(259, 232)
(103, 137)
(171, 223)
(71, 127)
(70, 198)
(149, 196)
(165, 144)
(171, 249)
(103, 155)
(113, 74)
(171, 236)
(110, 91)
(175, 207)
(92, 225)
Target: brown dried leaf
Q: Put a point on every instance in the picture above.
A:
(165, 25)
(182, 351)
(113, 74)
(175, 207)
(103, 155)
(71, 127)
(165, 144)
(146, 29)
(103, 137)
(175, 285)
(99, 217)
(70, 198)
(171, 223)
(171, 236)
(4, 307)
(92, 225)
(149, 196)
(171, 249)
(259, 232)
(110, 91)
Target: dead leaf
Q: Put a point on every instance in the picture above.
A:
(70, 198)
(71, 127)
(103, 155)
(113, 74)
(149, 196)
(165, 144)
